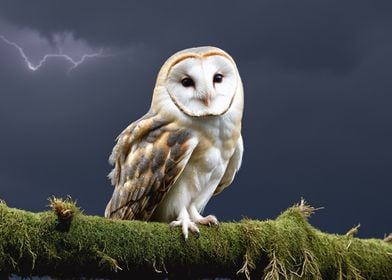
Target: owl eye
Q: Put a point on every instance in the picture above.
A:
(218, 78)
(187, 82)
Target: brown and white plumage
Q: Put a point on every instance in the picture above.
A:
(150, 155)
(188, 147)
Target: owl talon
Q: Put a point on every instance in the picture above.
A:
(175, 224)
(197, 234)
(209, 220)
(186, 226)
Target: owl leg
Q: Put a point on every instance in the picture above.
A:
(186, 224)
(209, 220)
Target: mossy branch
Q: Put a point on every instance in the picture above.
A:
(67, 243)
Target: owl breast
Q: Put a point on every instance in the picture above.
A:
(203, 173)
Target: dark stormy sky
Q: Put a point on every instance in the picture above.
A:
(317, 122)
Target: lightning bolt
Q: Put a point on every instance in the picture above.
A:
(74, 62)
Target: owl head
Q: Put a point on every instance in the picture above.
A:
(199, 82)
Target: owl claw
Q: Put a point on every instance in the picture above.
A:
(209, 220)
(197, 234)
(186, 226)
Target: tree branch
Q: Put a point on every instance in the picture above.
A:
(66, 243)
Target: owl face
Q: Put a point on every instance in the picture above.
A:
(201, 81)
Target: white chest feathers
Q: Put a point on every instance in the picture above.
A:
(203, 173)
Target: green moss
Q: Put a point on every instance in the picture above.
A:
(65, 209)
(286, 248)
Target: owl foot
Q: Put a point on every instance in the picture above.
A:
(186, 225)
(209, 220)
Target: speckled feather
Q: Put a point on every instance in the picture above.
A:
(149, 156)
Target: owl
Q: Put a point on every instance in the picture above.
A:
(186, 149)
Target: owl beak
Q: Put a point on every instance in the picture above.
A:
(206, 99)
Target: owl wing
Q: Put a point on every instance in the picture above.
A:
(148, 158)
(232, 167)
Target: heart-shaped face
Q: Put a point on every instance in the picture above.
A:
(202, 84)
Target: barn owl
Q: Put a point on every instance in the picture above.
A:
(187, 148)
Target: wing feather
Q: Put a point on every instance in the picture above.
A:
(148, 158)
(232, 168)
